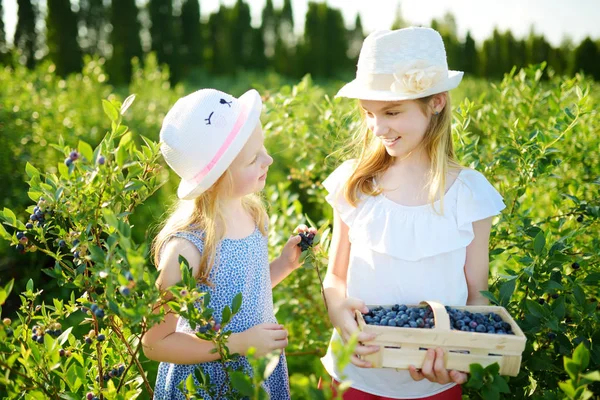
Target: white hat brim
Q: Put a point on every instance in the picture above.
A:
(189, 190)
(356, 90)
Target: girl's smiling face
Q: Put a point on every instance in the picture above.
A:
(249, 169)
(400, 125)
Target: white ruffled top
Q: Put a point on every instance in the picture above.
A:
(405, 254)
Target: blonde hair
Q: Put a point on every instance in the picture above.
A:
(373, 159)
(204, 214)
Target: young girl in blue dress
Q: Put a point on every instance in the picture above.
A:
(214, 142)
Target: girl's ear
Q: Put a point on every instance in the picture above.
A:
(438, 102)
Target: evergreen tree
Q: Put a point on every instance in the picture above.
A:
(269, 28)
(61, 37)
(587, 58)
(355, 40)
(192, 50)
(25, 32)
(469, 55)
(241, 35)
(285, 55)
(163, 34)
(125, 39)
(3, 48)
(93, 20)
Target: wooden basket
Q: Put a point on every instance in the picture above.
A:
(401, 347)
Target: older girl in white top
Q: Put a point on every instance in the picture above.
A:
(410, 223)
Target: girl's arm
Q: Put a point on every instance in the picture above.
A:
(477, 262)
(289, 260)
(341, 308)
(161, 342)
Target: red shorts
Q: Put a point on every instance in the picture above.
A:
(454, 393)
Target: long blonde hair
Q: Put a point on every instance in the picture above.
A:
(204, 215)
(373, 159)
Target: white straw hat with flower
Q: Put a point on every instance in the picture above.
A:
(402, 64)
(203, 133)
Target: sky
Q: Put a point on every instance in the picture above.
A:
(555, 19)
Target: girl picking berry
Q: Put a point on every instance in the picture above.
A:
(410, 223)
(214, 142)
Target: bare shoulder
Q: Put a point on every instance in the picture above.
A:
(169, 272)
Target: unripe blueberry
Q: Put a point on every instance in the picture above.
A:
(61, 352)
(6, 321)
(89, 396)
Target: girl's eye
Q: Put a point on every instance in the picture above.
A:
(393, 113)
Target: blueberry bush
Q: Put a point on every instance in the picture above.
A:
(82, 195)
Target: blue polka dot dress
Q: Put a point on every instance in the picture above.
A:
(242, 265)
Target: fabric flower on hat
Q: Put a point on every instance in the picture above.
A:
(416, 77)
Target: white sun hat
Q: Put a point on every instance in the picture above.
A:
(203, 133)
(403, 64)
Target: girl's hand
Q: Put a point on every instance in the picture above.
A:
(342, 318)
(265, 338)
(291, 252)
(434, 371)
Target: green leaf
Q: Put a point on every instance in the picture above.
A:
(592, 376)
(241, 382)
(226, 316)
(534, 308)
(581, 356)
(29, 286)
(110, 110)
(236, 304)
(490, 296)
(9, 216)
(31, 170)
(579, 295)
(539, 242)
(506, 291)
(592, 279)
(86, 150)
(126, 103)
(571, 367)
(189, 384)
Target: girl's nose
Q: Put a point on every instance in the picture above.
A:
(269, 160)
(379, 127)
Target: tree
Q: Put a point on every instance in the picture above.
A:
(221, 58)
(241, 34)
(125, 39)
(93, 20)
(61, 37)
(399, 21)
(269, 28)
(163, 34)
(3, 49)
(192, 50)
(469, 55)
(355, 40)
(587, 58)
(284, 59)
(25, 32)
